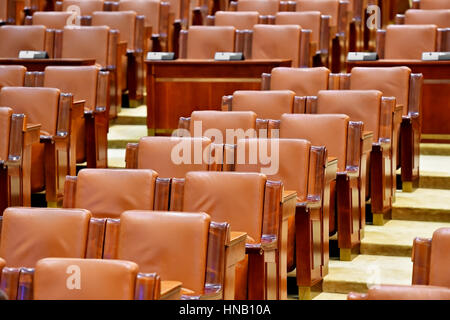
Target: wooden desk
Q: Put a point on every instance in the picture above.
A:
(40, 64)
(435, 109)
(176, 88)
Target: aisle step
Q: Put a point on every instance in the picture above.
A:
(396, 237)
(366, 270)
(422, 205)
(132, 116)
(116, 158)
(434, 172)
(442, 149)
(120, 135)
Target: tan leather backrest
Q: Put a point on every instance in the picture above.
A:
(77, 43)
(12, 76)
(434, 4)
(359, 105)
(409, 41)
(98, 279)
(241, 20)
(109, 192)
(233, 197)
(441, 18)
(148, 8)
(172, 157)
(87, 7)
(276, 42)
(204, 41)
(329, 130)
(326, 7)
(40, 105)
(302, 81)
(267, 104)
(291, 157)
(51, 19)
(416, 292)
(81, 82)
(2, 264)
(309, 20)
(30, 234)
(440, 258)
(221, 121)
(263, 7)
(392, 82)
(17, 38)
(172, 244)
(5, 126)
(124, 21)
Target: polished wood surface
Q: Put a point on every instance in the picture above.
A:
(435, 107)
(176, 88)
(40, 64)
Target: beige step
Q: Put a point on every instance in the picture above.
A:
(120, 135)
(435, 149)
(396, 237)
(367, 270)
(116, 158)
(422, 205)
(330, 296)
(132, 116)
(434, 172)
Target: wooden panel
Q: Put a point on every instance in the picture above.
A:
(176, 88)
(435, 107)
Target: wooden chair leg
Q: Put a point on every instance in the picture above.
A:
(410, 149)
(256, 289)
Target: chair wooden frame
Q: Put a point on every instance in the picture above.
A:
(96, 120)
(116, 50)
(15, 12)
(407, 131)
(221, 264)
(15, 179)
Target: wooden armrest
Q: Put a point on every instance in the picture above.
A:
(235, 248)
(400, 19)
(388, 105)
(367, 140)
(421, 256)
(286, 197)
(236, 238)
(170, 290)
(415, 93)
(210, 293)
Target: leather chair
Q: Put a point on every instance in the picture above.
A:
(197, 253)
(202, 42)
(91, 85)
(251, 204)
(3, 11)
(12, 76)
(279, 42)
(76, 42)
(131, 29)
(408, 42)
(266, 104)
(87, 7)
(157, 153)
(348, 144)
(431, 259)
(301, 167)
(406, 87)
(49, 19)
(54, 156)
(339, 29)
(44, 232)
(303, 81)
(214, 125)
(16, 139)
(439, 17)
(376, 112)
(99, 279)
(430, 4)
(124, 190)
(266, 9)
(35, 38)
(242, 20)
(319, 26)
(390, 292)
